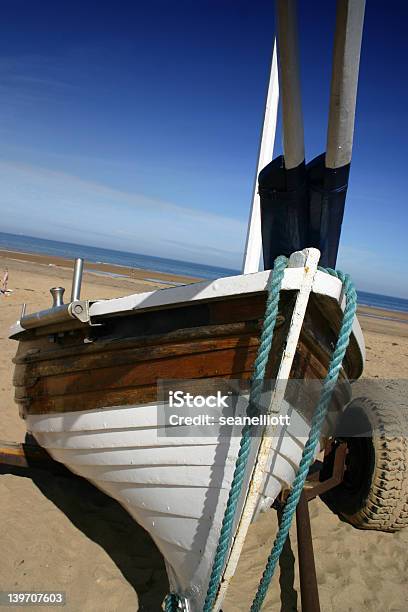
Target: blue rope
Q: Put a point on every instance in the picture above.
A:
(172, 600)
(314, 435)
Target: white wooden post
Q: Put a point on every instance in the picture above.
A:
(289, 74)
(308, 260)
(343, 94)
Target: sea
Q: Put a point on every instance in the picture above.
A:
(30, 244)
(385, 302)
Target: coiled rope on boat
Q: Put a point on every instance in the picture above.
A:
(257, 380)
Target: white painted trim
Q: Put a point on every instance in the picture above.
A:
(323, 284)
(253, 246)
(206, 290)
(308, 268)
(15, 329)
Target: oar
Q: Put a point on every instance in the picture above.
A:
(328, 174)
(282, 183)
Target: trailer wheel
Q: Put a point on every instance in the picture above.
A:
(374, 491)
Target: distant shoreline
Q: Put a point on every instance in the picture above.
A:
(161, 278)
(100, 268)
(384, 315)
(130, 259)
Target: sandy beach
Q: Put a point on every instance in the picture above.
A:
(62, 534)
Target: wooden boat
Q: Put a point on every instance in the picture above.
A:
(87, 389)
(86, 379)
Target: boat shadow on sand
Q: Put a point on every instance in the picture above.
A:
(106, 523)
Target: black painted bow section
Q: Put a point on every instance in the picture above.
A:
(327, 189)
(302, 207)
(284, 210)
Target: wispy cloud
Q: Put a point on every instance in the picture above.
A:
(61, 206)
(29, 79)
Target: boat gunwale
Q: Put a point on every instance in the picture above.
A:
(228, 287)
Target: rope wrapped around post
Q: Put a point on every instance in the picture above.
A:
(172, 600)
(314, 435)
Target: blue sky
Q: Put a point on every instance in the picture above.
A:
(135, 126)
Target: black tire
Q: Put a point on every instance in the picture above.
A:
(374, 492)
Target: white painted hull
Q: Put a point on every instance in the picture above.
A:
(175, 487)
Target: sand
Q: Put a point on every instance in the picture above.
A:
(62, 534)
